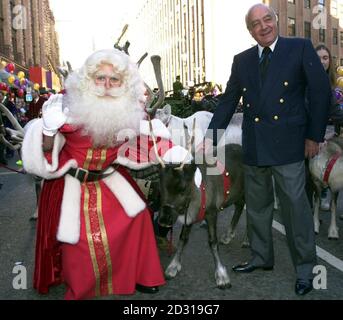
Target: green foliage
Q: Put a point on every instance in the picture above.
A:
(180, 107)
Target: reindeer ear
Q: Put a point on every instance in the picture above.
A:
(70, 68)
(167, 109)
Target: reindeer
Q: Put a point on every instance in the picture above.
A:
(326, 170)
(233, 133)
(183, 198)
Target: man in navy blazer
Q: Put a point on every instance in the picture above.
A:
(280, 128)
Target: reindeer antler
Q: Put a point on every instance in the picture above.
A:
(156, 62)
(11, 118)
(190, 144)
(142, 59)
(160, 160)
(17, 134)
(116, 45)
(65, 73)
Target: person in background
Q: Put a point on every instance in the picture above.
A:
(326, 60)
(177, 88)
(35, 106)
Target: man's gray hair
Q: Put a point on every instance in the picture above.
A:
(247, 16)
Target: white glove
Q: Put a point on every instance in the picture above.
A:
(54, 117)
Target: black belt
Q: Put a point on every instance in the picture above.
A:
(84, 175)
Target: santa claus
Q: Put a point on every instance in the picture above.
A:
(94, 230)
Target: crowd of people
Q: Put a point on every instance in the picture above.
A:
(23, 111)
(95, 231)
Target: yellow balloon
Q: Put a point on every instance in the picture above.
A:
(11, 79)
(3, 64)
(340, 71)
(36, 86)
(21, 75)
(339, 82)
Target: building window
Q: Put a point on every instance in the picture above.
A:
(291, 27)
(307, 29)
(321, 4)
(334, 8)
(322, 35)
(334, 36)
(307, 4)
(341, 37)
(341, 64)
(291, 1)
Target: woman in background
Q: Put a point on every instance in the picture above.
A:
(326, 60)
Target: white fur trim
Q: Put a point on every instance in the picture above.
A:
(159, 129)
(177, 154)
(33, 157)
(197, 178)
(126, 195)
(69, 225)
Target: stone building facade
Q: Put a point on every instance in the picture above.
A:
(27, 34)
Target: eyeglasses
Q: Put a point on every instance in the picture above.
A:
(101, 80)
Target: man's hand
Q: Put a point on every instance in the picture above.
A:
(311, 148)
(53, 115)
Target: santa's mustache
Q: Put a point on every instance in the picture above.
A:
(101, 91)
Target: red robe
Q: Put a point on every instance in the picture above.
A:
(114, 253)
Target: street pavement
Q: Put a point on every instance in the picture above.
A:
(195, 281)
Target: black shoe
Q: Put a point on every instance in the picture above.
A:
(303, 286)
(247, 267)
(145, 289)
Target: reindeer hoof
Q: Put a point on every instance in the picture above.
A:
(172, 270)
(246, 244)
(225, 286)
(333, 234)
(222, 278)
(225, 240)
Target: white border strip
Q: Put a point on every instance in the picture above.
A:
(7, 173)
(321, 253)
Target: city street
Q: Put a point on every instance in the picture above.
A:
(196, 279)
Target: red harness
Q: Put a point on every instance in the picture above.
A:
(330, 166)
(226, 185)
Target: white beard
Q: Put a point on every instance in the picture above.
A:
(102, 118)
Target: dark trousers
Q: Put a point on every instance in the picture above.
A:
(295, 212)
(2, 152)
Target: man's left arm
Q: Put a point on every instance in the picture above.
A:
(319, 97)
